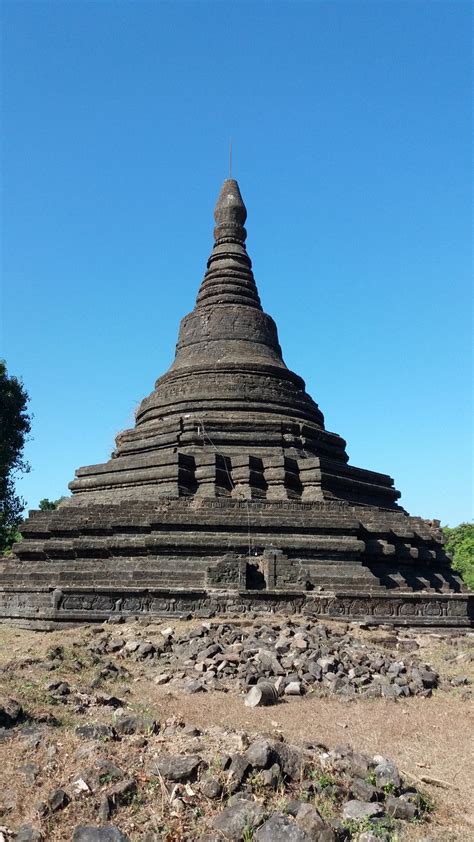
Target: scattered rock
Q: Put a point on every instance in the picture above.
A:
(30, 771)
(96, 732)
(58, 800)
(357, 810)
(293, 688)
(280, 828)
(58, 688)
(88, 833)
(112, 701)
(362, 790)
(80, 786)
(11, 713)
(386, 773)
(399, 808)
(308, 818)
(211, 788)
(28, 833)
(193, 686)
(290, 759)
(162, 678)
(459, 680)
(129, 724)
(232, 821)
(175, 767)
(105, 809)
(272, 777)
(131, 645)
(122, 793)
(259, 754)
(237, 772)
(145, 650)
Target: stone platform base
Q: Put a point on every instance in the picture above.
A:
(48, 608)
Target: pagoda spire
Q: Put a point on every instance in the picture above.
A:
(229, 278)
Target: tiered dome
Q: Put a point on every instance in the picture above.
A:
(229, 392)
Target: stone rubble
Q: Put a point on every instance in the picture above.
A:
(221, 784)
(310, 793)
(296, 657)
(105, 759)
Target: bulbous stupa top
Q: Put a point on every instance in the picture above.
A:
(230, 212)
(229, 278)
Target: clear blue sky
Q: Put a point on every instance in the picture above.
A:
(352, 147)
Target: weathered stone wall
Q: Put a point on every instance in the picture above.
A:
(95, 605)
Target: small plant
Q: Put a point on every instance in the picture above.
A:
(371, 779)
(355, 826)
(248, 833)
(153, 785)
(384, 828)
(280, 804)
(389, 788)
(425, 803)
(326, 805)
(280, 787)
(325, 781)
(256, 782)
(136, 801)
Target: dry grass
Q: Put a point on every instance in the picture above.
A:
(423, 736)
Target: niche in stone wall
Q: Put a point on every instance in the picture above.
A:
(254, 577)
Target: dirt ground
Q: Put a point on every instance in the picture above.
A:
(426, 737)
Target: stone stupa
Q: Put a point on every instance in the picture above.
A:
(229, 494)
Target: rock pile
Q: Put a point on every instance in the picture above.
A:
(218, 784)
(298, 658)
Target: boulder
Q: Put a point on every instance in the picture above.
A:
(129, 724)
(386, 773)
(122, 793)
(11, 713)
(237, 771)
(399, 808)
(58, 800)
(96, 731)
(358, 810)
(175, 767)
(88, 833)
(28, 833)
(308, 818)
(259, 754)
(233, 819)
(211, 788)
(281, 828)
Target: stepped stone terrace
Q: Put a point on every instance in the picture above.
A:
(229, 494)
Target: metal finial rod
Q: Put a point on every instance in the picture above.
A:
(230, 158)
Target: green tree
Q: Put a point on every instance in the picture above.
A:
(14, 428)
(46, 505)
(460, 546)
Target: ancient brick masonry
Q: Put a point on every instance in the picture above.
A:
(229, 493)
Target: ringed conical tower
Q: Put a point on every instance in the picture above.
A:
(229, 418)
(229, 494)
